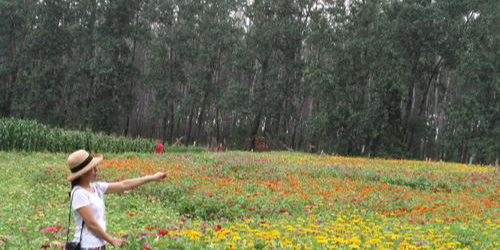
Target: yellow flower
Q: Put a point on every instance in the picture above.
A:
(250, 244)
(321, 240)
(286, 243)
(231, 245)
(373, 242)
(355, 241)
(193, 235)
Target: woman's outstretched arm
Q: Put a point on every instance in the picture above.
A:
(121, 186)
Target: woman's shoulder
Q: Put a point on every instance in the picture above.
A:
(100, 187)
(78, 191)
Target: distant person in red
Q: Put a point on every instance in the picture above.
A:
(160, 149)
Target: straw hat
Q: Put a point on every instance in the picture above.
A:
(80, 162)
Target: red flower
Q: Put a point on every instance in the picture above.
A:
(162, 232)
(52, 230)
(45, 246)
(218, 228)
(281, 211)
(150, 228)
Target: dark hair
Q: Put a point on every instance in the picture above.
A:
(74, 183)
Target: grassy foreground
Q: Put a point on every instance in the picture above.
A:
(240, 200)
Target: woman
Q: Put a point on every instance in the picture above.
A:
(87, 200)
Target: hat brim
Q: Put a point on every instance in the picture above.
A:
(96, 159)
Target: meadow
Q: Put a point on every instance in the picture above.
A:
(275, 200)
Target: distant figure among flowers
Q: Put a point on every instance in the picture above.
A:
(160, 149)
(219, 148)
(260, 144)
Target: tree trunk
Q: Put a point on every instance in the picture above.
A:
(164, 127)
(217, 126)
(201, 116)
(172, 123)
(190, 126)
(409, 118)
(11, 62)
(254, 130)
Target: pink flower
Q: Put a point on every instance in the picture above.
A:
(22, 229)
(52, 230)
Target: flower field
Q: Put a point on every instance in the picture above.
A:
(240, 200)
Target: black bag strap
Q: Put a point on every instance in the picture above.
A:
(69, 217)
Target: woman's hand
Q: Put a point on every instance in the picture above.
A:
(158, 176)
(118, 242)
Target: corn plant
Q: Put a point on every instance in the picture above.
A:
(29, 135)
